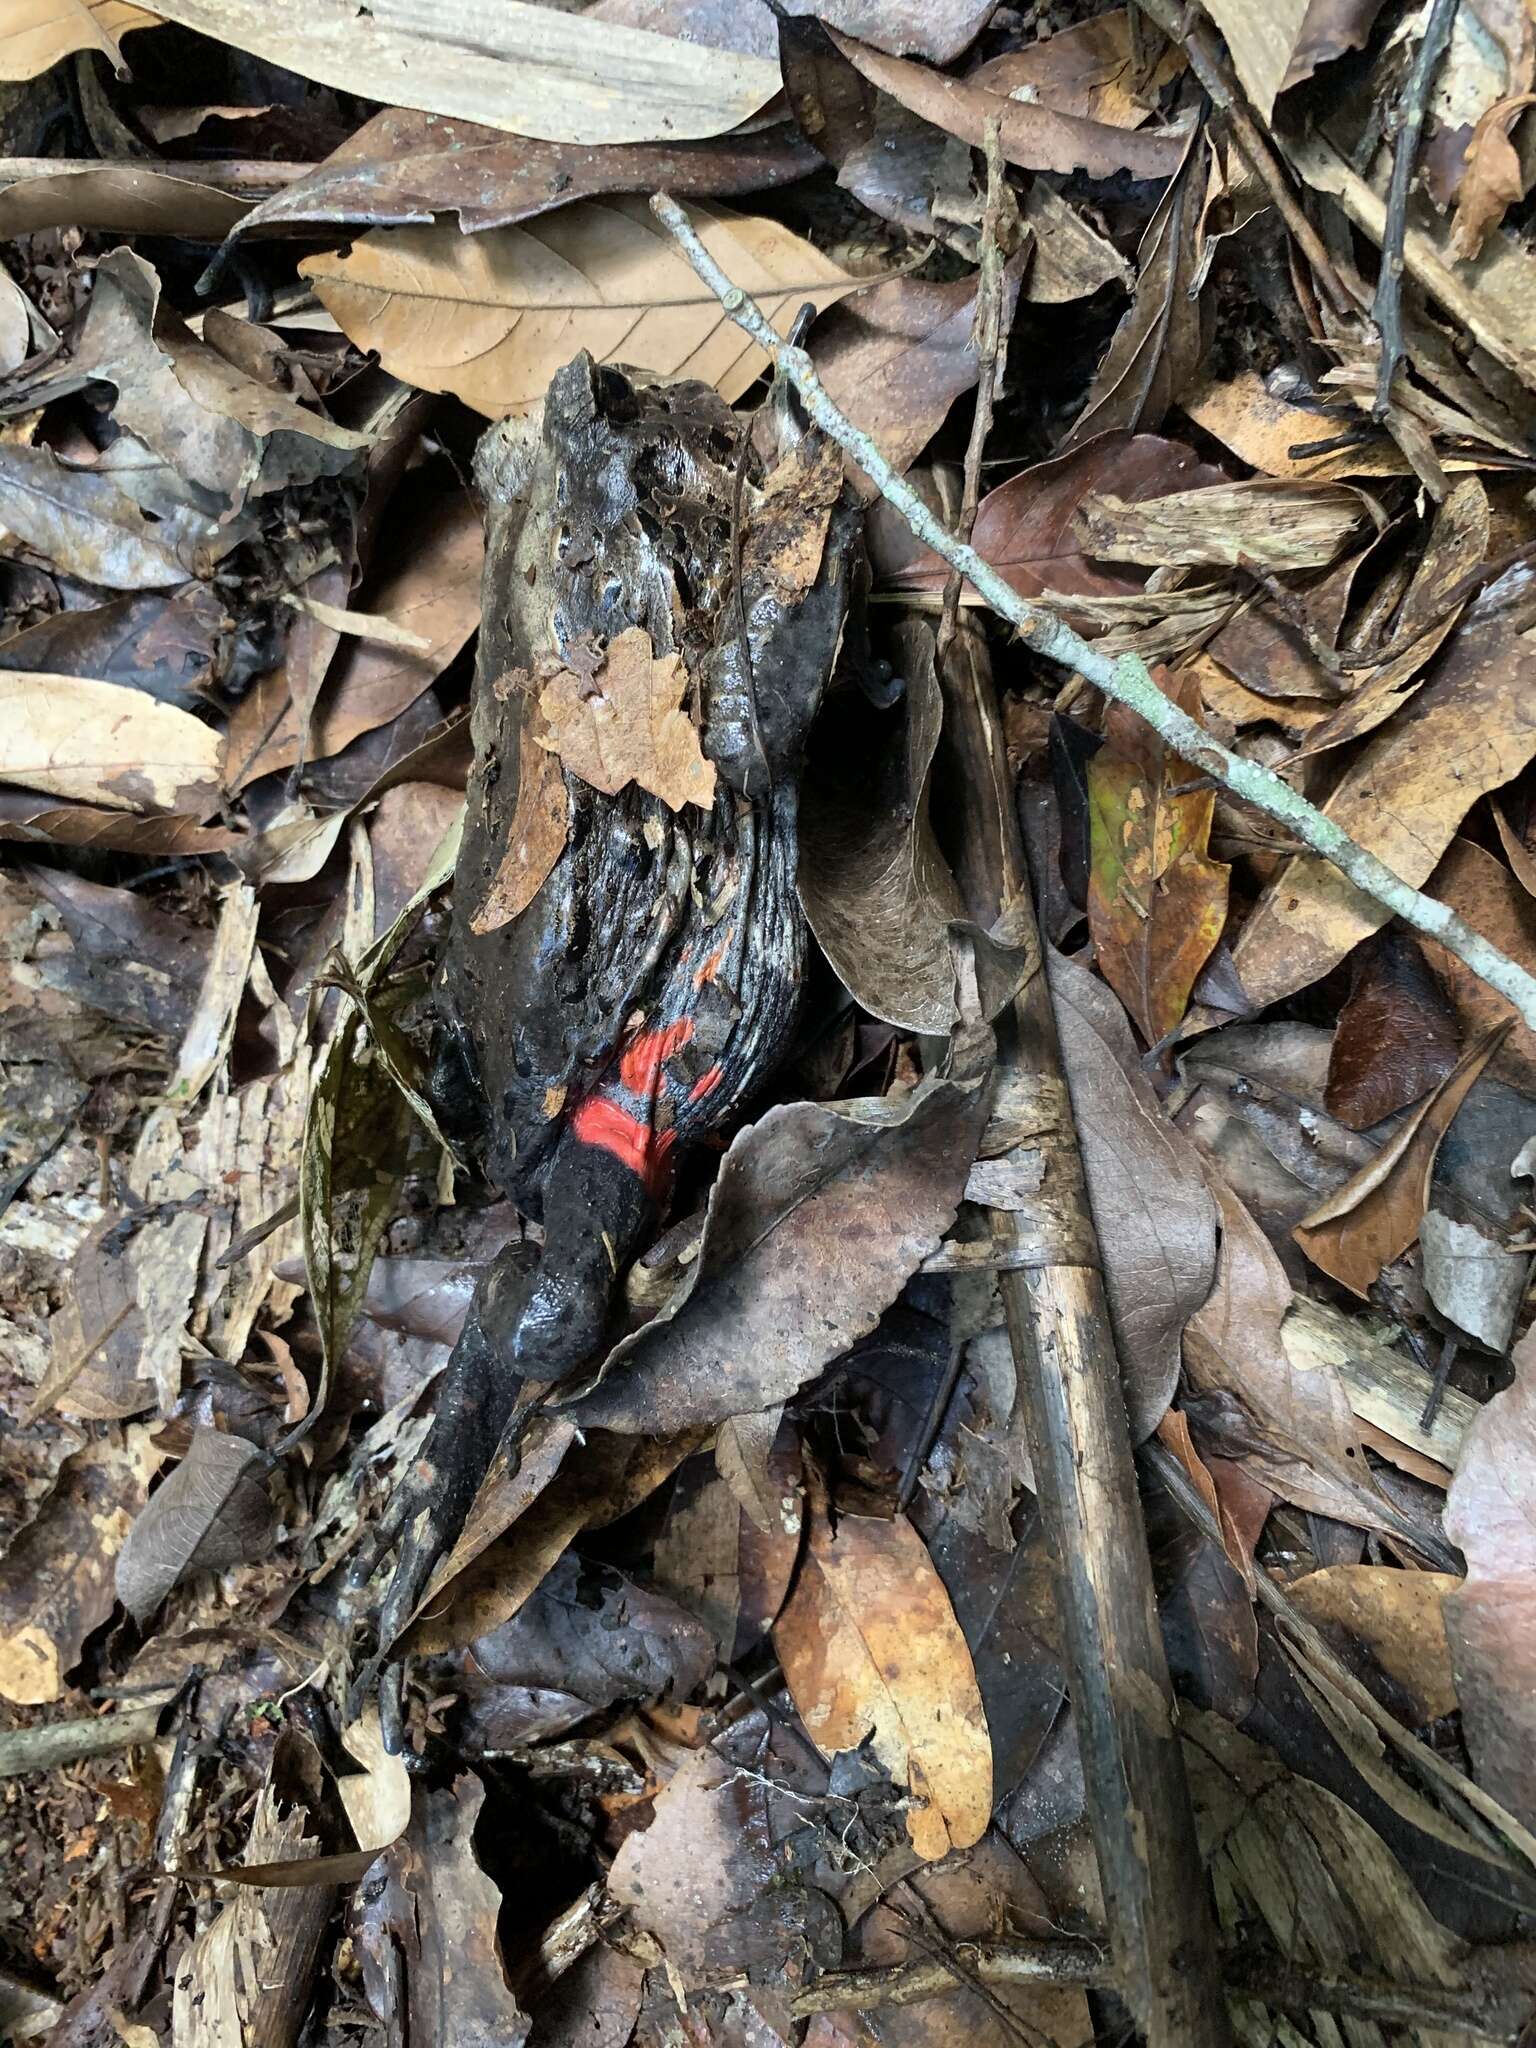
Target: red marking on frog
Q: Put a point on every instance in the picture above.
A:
(621, 1118)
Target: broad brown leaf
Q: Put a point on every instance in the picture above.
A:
(1494, 903)
(623, 722)
(1491, 1513)
(1397, 1036)
(871, 1649)
(404, 168)
(1398, 1616)
(210, 1512)
(1264, 523)
(1493, 178)
(491, 317)
(1375, 1216)
(81, 522)
(1026, 528)
(1157, 902)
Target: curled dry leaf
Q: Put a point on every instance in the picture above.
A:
(404, 168)
(1375, 1216)
(1402, 797)
(1265, 523)
(876, 888)
(1156, 1221)
(1491, 1621)
(621, 721)
(1033, 136)
(1091, 70)
(819, 1215)
(220, 429)
(105, 744)
(526, 69)
(1157, 902)
(121, 198)
(491, 317)
(940, 30)
(541, 824)
(871, 1651)
(1493, 178)
(56, 1578)
(212, 1511)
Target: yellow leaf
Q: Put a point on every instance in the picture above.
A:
(491, 317)
(104, 743)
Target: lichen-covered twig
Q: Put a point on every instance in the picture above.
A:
(1125, 678)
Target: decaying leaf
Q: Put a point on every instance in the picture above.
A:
(622, 721)
(56, 1578)
(1264, 523)
(81, 521)
(1472, 881)
(1375, 1216)
(1493, 179)
(101, 743)
(212, 1511)
(1157, 902)
(1491, 1620)
(877, 890)
(541, 824)
(1397, 1037)
(491, 317)
(871, 1651)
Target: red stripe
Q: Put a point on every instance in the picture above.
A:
(645, 1055)
(602, 1122)
(706, 1084)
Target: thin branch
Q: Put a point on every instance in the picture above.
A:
(1085, 1963)
(1387, 309)
(1125, 678)
(52, 1743)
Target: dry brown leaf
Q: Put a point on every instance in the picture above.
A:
(1493, 179)
(1397, 1615)
(1493, 902)
(1033, 136)
(531, 70)
(1472, 728)
(1491, 1621)
(1264, 523)
(56, 1579)
(1262, 42)
(624, 723)
(491, 317)
(871, 1648)
(1375, 1216)
(210, 1512)
(1089, 70)
(1262, 429)
(37, 34)
(106, 744)
(127, 198)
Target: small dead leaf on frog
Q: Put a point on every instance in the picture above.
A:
(628, 725)
(536, 838)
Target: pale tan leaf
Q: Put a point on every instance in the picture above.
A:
(37, 34)
(541, 824)
(871, 1648)
(1262, 42)
(1397, 1615)
(529, 70)
(104, 743)
(378, 1798)
(625, 723)
(1264, 523)
(491, 317)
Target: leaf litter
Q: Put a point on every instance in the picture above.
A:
(741, 1699)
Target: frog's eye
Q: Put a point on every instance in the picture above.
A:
(562, 544)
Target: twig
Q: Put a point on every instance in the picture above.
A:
(1084, 1963)
(1387, 309)
(1125, 678)
(238, 178)
(53, 1743)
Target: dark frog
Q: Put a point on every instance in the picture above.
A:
(647, 983)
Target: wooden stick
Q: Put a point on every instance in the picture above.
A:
(1125, 678)
(53, 1743)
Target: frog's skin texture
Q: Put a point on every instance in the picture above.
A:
(652, 983)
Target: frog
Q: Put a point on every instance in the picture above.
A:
(651, 984)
